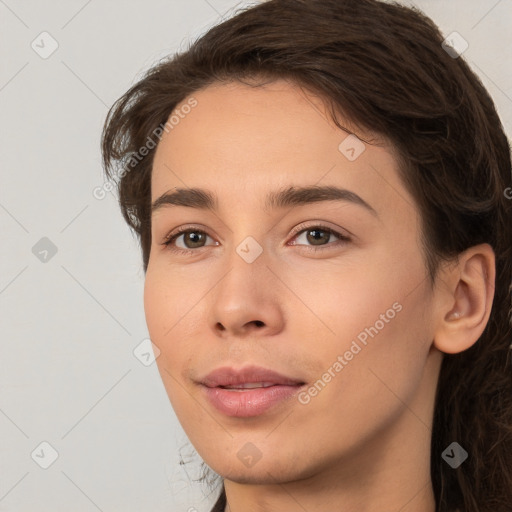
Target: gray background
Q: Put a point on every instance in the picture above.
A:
(70, 321)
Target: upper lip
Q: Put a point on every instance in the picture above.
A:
(227, 376)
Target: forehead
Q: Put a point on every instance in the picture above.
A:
(247, 140)
(234, 119)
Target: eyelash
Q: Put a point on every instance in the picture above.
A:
(342, 238)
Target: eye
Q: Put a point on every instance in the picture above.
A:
(319, 236)
(192, 238)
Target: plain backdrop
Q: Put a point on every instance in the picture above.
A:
(74, 396)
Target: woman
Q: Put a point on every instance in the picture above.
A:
(320, 191)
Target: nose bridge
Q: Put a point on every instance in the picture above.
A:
(247, 264)
(248, 235)
(244, 298)
(250, 250)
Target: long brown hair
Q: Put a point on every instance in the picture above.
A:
(383, 67)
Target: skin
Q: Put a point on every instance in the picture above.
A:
(363, 442)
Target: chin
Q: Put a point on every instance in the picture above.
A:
(262, 472)
(262, 476)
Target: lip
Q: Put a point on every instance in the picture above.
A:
(244, 403)
(227, 376)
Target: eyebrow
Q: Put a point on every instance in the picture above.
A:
(291, 196)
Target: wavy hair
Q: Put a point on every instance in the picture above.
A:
(383, 67)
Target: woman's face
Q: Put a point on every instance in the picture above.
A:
(336, 326)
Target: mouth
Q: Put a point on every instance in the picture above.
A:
(249, 385)
(248, 392)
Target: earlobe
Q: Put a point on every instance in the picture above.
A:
(465, 299)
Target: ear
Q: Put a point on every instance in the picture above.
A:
(464, 297)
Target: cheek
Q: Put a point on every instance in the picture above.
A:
(378, 315)
(364, 392)
(383, 355)
(162, 319)
(155, 306)
(175, 313)
(161, 308)
(168, 299)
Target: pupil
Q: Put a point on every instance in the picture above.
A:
(196, 236)
(316, 238)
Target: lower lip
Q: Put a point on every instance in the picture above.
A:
(248, 402)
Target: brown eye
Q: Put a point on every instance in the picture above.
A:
(192, 239)
(318, 236)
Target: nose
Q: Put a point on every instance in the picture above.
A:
(247, 300)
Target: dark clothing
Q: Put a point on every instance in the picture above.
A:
(220, 505)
